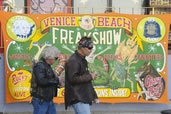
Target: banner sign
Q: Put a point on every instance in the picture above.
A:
(130, 53)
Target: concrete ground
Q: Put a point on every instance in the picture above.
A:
(94, 112)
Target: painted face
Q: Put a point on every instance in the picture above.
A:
(131, 43)
(22, 28)
(86, 22)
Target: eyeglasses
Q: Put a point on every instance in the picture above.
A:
(90, 48)
(56, 58)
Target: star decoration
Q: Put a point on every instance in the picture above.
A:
(99, 47)
(16, 63)
(152, 48)
(74, 47)
(83, 1)
(95, 29)
(135, 1)
(18, 48)
(158, 63)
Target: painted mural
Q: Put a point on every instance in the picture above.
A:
(48, 6)
(1, 39)
(129, 53)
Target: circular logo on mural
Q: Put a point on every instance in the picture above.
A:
(20, 28)
(87, 22)
(151, 29)
(19, 84)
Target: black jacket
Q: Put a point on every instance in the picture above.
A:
(78, 86)
(44, 82)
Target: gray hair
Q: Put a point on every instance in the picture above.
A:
(50, 52)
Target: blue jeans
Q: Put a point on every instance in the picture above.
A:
(43, 107)
(81, 108)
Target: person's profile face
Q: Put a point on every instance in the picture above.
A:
(52, 61)
(87, 50)
(86, 46)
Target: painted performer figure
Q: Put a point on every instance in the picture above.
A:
(126, 51)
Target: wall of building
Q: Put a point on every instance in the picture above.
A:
(129, 7)
(79, 6)
(137, 107)
(91, 6)
(47, 6)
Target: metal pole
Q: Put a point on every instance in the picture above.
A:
(153, 10)
(132, 10)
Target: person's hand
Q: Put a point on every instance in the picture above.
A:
(96, 101)
(93, 75)
(61, 81)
